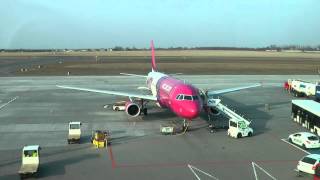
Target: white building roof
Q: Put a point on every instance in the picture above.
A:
(75, 122)
(309, 105)
(31, 147)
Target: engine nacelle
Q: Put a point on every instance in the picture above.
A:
(132, 109)
(214, 111)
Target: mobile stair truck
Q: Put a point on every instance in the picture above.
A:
(74, 132)
(30, 161)
(238, 126)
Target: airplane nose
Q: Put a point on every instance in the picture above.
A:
(193, 111)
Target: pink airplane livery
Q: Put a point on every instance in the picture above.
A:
(185, 100)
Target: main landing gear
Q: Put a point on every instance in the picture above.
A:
(144, 109)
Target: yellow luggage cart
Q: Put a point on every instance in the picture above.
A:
(100, 138)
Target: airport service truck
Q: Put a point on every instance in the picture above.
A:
(301, 88)
(74, 132)
(30, 161)
(239, 128)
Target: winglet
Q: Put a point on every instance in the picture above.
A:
(154, 66)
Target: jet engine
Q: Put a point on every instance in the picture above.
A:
(132, 109)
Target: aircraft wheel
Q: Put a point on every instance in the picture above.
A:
(145, 111)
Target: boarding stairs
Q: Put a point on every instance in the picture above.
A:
(216, 103)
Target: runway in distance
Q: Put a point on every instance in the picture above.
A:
(184, 99)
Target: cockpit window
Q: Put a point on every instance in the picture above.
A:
(187, 97)
(178, 96)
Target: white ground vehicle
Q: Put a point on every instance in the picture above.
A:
(302, 88)
(305, 139)
(74, 132)
(308, 163)
(239, 128)
(119, 106)
(30, 160)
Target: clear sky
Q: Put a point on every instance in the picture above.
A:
(107, 23)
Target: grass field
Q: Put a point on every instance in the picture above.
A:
(186, 61)
(182, 53)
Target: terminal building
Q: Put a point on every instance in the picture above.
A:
(307, 113)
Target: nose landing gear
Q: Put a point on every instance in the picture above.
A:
(185, 125)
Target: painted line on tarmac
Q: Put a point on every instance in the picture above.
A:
(192, 168)
(113, 162)
(254, 165)
(284, 140)
(5, 104)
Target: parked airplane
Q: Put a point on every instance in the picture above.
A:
(185, 100)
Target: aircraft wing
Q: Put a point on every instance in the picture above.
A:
(224, 91)
(136, 75)
(130, 95)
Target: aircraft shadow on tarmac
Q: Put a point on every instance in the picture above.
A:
(158, 114)
(124, 139)
(46, 169)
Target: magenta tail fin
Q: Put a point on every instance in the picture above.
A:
(154, 65)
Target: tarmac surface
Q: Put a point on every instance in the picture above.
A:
(34, 111)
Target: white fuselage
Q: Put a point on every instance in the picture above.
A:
(152, 81)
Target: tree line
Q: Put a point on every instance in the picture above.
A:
(120, 48)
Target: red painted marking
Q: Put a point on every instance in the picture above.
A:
(113, 162)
